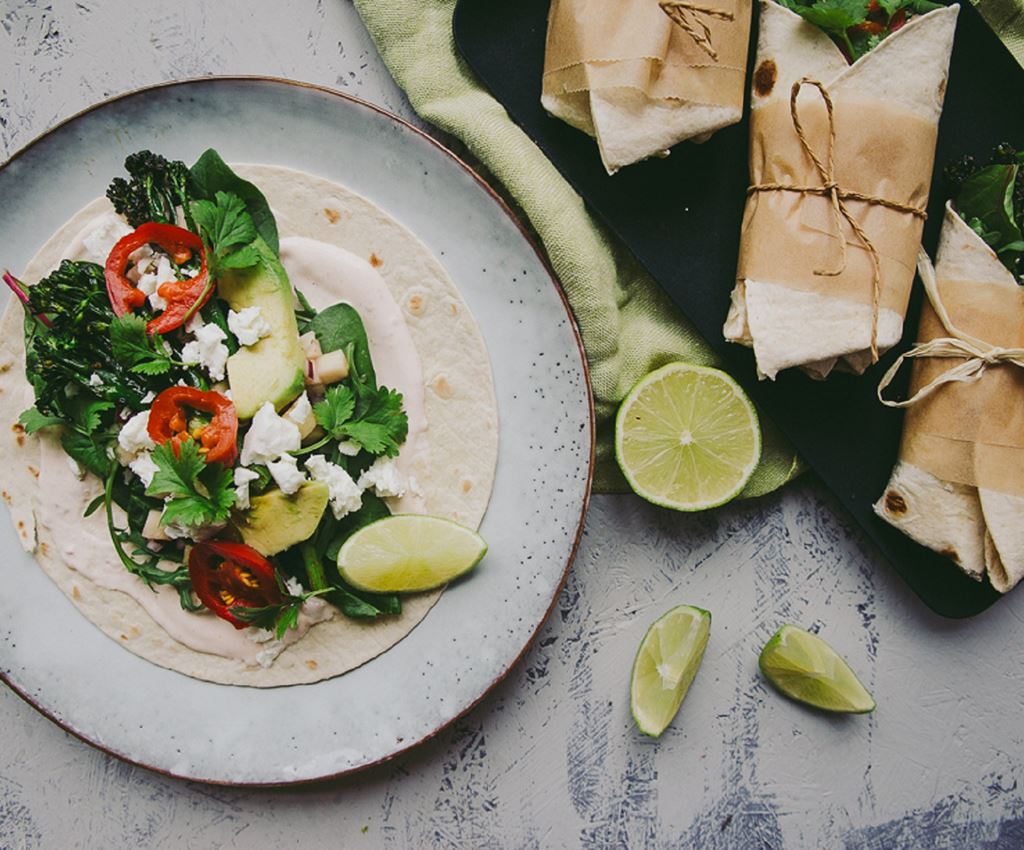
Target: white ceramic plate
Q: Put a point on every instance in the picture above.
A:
(73, 673)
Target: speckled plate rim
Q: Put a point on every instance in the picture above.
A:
(504, 209)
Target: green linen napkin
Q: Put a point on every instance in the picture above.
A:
(629, 326)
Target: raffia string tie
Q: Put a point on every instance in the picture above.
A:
(977, 355)
(838, 197)
(690, 18)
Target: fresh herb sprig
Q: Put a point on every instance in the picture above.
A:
(859, 26)
(197, 493)
(281, 617)
(228, 231)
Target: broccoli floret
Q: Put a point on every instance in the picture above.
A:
(157, 187)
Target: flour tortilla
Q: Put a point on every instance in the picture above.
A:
(981, 530)
(787, 327)
(460, 407)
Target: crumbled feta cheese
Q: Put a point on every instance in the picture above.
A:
(148, 397)
(248, 325)
(134, 436)
(145, 467)
(300, 410)
(107, 232)
(259, 635)
(267, 656)
(347, 447)
(345, 495)
(208, 350)
(287, 474)
(384, 478)
(243, 478)
(269, 437)
(177, 531)
(95, 380)
(293, 586)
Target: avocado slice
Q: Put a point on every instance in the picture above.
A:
(275, 521)
(272, 369)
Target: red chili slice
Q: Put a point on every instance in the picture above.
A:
(230, 575)
(168, 420)
(183, 297)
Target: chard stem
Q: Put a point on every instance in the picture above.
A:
(18, 288)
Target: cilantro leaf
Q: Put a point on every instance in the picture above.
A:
(380, 425)
(227, 229)
(176, 473)
(32, 420)
(198, 493)
(335, 410)
(243, 258)
(85, 412)
(141, 352)
(225, 223)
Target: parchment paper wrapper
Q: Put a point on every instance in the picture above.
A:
(884, 148)
(622, 71)
(959, 484)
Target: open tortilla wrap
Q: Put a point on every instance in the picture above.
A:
(800, 299)
(958, 487)
(46, 499)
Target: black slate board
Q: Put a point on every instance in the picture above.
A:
(680, 216)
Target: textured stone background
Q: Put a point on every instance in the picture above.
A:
(550, 758)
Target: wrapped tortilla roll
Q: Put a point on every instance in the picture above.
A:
(958, 487)
(840, 164)
(640, 75)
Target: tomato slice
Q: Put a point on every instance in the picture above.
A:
(168, 420)
(228, 575)
(183, 297)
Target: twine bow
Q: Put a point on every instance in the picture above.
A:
(838, 196)
(977, 354)
(688, 17)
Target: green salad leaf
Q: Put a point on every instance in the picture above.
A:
(339, 326)
(858, 26)
(990, 199)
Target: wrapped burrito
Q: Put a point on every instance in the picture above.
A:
(840, 167)
(640, 75)
(958, 486)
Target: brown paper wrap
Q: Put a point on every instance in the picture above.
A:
(604, 44)
(971, 433)
(787, 236)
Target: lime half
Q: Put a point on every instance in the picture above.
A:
(687, 437)
(665, 665)
(407, 553)
(807, 669)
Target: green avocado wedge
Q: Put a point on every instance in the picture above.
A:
(275, 521)
(272, 369)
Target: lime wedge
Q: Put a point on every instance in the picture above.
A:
(665, 665)
(807, 669)
(686, 437)
(407, 553)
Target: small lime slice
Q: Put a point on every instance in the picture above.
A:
(807, 669)
(686, 437)
(407, 553)
(665, 665)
